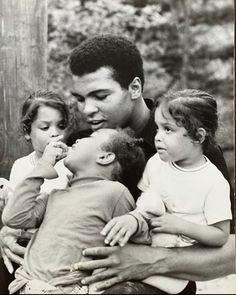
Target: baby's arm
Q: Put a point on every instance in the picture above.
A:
(25, 209)
(135, 224)
(211, 235)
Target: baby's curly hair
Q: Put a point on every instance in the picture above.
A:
(42, 98)
(129, 157)
(112, 51)
(193, 109)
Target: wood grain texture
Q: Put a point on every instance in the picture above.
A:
(23, 56)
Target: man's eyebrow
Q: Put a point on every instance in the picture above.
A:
(97, 91)
(75, 94)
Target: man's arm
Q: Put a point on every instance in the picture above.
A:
(135, 262)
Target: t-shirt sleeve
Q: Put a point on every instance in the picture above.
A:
(124, 204)
(144, 182)
(217, 205)
(15, 175)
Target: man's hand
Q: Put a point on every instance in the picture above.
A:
(119, 230)
(55, 150)
(10, 250)
(5, 192)
(167, 223)
(118, 264)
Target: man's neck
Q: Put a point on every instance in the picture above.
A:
(140, 117)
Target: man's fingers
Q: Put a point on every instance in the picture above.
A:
(27, 234)
(90, 265)
(107, 283)
(103, 275)
(7, 262)
(99, 251)
(13, 257)
(12, 246)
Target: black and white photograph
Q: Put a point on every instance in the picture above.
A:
(117, 147)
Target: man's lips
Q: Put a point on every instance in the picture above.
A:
(160, 149)
(95, 123)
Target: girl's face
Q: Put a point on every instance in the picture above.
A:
(47, 124)
(172, 141)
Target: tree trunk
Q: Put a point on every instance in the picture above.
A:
(23, 43)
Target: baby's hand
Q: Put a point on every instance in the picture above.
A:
(55, 150)
(167, 223)
(119, 230)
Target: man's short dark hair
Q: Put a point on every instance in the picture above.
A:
(112, 51)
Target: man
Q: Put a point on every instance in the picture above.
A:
(108, 82)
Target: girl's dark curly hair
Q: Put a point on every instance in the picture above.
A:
(193, 109)
(38, 99)
(129, 156)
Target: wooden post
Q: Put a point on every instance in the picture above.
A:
(23, 44)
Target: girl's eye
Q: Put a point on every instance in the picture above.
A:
(62, 126)
(168, 130)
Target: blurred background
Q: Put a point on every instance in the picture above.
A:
(184, 44)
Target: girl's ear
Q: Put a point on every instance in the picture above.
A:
(27, 137)
(135, 88)
(106, 158)
(201, 135)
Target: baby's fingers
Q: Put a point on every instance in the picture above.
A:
(118, 237)
(108, 227)
(125, 239)
(112, 234)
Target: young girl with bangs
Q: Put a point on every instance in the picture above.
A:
(44, 118)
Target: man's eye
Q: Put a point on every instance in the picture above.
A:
(101, 96)
(44, 128)
(78, 97)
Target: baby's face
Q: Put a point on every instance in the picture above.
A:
(86, 150)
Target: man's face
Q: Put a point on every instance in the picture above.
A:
(102, 101)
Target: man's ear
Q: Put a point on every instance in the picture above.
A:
(27, 137)
(201, 135)
(135, 88)
(105, 158)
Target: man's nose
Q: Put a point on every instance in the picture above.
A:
(89, 108)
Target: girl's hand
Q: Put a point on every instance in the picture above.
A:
(119, 230)
(167, 223)
(55, 150)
